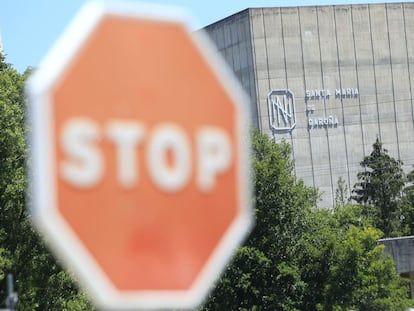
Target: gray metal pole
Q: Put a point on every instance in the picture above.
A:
(12, 298)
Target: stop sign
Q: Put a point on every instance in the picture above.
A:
(140, 166)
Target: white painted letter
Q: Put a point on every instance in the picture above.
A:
(126, 136)
(169, 142)
(85, 166)
(338, 93)
(214, 156)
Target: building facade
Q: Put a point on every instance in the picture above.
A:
(329, 80)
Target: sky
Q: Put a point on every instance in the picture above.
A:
(28, 28)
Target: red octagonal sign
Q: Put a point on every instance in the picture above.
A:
(140, 166)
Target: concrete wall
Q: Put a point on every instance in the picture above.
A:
(233, 41)
(365, 50)
(402, 251)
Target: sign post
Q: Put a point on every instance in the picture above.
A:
(140, 177)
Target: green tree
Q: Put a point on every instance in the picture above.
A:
(379, 188)
(343, 266)
(361, 278)
(315, 251)
(40, 281)
(341, 193)
(263, 275)
(301, 258)
(407, 207)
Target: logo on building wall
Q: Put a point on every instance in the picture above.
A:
(282, 114)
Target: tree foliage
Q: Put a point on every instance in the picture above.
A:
(345, 268)
(407, 206)
(263, 275)
(341, 193)
(386, 193)
(379, 188)
(301, 258)
(40, 282)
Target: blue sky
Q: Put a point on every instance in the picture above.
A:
(28, 28)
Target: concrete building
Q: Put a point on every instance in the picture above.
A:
(402, 251)
(329, 80)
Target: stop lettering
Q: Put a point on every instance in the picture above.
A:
(84, 165)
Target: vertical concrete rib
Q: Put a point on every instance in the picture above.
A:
(267, 58)
(251, 71)
(254, 56)
(266, 52)
(341, 100)
(324, 106)
(392, 82)
(304, 83)
(287, 82)
(375, 74)
(357, 80)
(408, 65)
